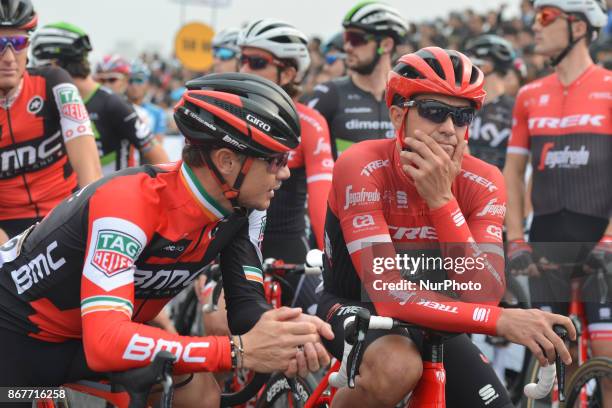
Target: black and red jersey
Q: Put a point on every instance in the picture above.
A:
(568, 132)
(110, 256)
(374, 205)
(35, 123)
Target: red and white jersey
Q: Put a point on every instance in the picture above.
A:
(374, 205)
(568, 132)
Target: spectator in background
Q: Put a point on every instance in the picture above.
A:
(113, 71)
(137, 93)
(225, 51)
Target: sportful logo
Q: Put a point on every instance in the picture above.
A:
(458, 218)
(369, 168)
(360, 197)
(566, 121)
(39, 267)
(493, 209)
(565, 158)
(402, 199)
(70, 103)
(115, 252)
(481, 314)
(258, 122)
(488, 394)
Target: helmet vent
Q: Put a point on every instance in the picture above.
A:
(457, 68)
(408, 71)
(432, 61)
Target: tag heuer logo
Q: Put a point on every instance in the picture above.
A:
(115, 252)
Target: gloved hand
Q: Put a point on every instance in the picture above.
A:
(600, 257)
(520, 259)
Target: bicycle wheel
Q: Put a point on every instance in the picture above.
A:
(531, 376)
(278, 392)
(590, 375)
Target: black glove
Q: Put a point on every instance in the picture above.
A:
(601, 256)
(519, 254)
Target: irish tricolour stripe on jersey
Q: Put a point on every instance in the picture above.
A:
(105, 304)
(253, 274)
(114, 245)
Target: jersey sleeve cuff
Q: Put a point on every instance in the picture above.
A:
(225, 353)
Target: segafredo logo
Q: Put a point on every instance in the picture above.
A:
(115, 251)
(258, 122)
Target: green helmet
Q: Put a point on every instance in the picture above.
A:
(377, 18)
(60, 41)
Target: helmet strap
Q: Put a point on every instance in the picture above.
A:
(554, 61)
(401, 132)
(231, 193)
(369, 68)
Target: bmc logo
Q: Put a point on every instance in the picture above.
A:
(39, 267)
(362, 221)
(258, 122)
(413, 233)
(374, 165)
(566, 121)
(439, 306)
(26, 156)
(233, 142)
(141, 348)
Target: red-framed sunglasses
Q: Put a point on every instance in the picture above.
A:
(259, 61)
(276, 162)
(548, 15)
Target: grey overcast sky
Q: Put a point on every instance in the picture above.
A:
(131, 26)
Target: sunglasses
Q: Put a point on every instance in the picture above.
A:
(137, 81)
(17, 42)
(257, 62)
(108, 80)
(223, 54)
(276, 162)
(357, 39)
(437, 112)
(548, 15)
(331, 58)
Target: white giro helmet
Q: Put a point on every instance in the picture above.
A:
(595, 11)
(280, 39)
(227, 39)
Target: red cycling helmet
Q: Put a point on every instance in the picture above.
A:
(113, 63)
(436, 71)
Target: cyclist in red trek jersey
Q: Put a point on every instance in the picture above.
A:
(421, 188)
(77, 287)
(46, 141)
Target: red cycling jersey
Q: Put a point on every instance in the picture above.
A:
(568, 132)
(44, 114)
(373, 205)
(311, 167)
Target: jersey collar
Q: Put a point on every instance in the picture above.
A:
(209, 206)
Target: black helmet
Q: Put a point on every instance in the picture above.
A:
(18, 14)
(377, 18)
(60, 41)
(243, 112)
(494, 48)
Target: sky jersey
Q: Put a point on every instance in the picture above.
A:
(117, 127)
(568, 132)
(35, 174)
(352, 114)
(373, 205)
(108, 259)
(311, 166)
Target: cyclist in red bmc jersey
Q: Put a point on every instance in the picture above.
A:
(45, 131)
(77, 287)
(421, 188)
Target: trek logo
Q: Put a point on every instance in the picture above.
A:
(234, 142)
(313, 122)
(35, 105)
(566, 158)
(33, 155)
(413, 233)
(356, 124)
(115, 251)
(362, 221)
(566, 121)
(479, 180)
(493, 209)
(258, 122)
(439, 306)
(360, 197)
(70, 104)
(374, 165)
(141, 348)
(37, 269)
(322, 146)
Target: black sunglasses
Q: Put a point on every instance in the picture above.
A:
(437, 111)
(257, 62)
(357, 39)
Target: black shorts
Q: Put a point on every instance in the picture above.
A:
(470, 379)
(28, 362)
(16, 227)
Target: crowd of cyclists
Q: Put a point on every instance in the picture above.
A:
(482, 135)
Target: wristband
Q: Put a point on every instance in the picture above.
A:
(233, 353)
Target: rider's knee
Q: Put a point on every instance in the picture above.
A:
(201, 392)
(391, 368)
